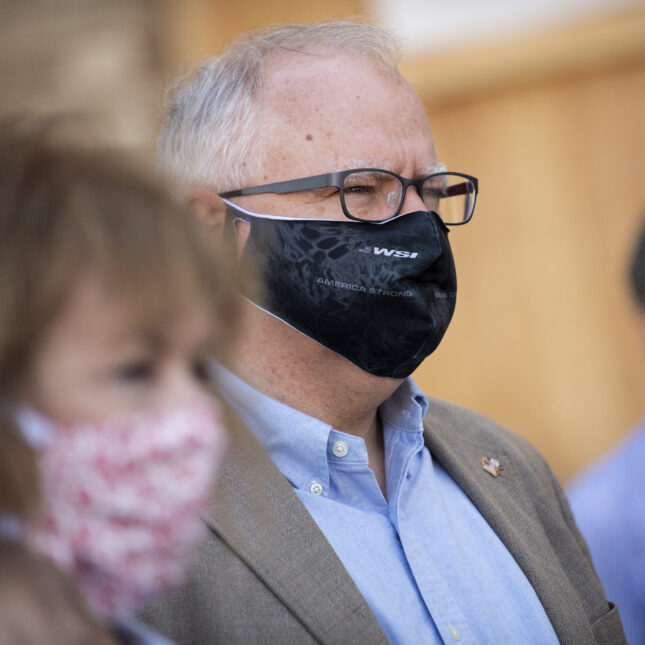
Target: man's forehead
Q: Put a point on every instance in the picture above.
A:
(329, 111)
(332, 90)
(325, 70)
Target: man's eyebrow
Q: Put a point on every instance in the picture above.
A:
(361, 163)
(423, 170)
(433, 168)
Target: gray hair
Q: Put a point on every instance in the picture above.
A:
(210, 134)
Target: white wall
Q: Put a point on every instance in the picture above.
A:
(429, 26)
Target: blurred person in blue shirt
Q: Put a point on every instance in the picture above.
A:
(608, 502)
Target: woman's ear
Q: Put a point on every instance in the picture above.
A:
(209, 208)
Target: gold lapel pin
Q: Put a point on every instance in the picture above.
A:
(491, 466)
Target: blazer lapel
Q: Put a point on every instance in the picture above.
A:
(510, 509)
(260, 517)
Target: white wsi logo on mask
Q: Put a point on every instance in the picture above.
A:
(377, 250)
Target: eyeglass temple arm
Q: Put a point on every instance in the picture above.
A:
(291, 186)
(465, 188)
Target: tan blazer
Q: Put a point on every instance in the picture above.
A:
(266, 574)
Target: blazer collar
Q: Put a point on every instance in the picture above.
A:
(260, 517)
(459, 441)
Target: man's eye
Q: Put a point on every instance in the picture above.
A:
(135, 372)
(358, 189)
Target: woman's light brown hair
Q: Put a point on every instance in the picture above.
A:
(64, 213)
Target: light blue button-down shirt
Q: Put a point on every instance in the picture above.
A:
(425, 560)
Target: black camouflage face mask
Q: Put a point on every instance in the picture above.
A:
(381, 295)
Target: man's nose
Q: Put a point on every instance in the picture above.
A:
(412, 201)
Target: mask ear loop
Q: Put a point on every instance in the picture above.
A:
(12, 528)
(235, 236)
(38, 433)
(35, 429)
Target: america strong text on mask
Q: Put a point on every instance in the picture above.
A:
(381, 295)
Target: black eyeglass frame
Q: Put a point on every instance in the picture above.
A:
(337, 179)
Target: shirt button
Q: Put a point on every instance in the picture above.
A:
(339, 448)
(316, 488)
(454, 632)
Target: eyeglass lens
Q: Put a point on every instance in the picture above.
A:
(376, 196)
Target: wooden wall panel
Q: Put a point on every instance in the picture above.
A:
(545, 338)
(93, 64)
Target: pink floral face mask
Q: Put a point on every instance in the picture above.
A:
(122, 499)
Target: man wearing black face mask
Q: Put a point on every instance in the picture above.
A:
(353, 508)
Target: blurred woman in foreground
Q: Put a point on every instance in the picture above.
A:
(111, 303)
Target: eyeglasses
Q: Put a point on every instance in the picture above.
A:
(375, 195)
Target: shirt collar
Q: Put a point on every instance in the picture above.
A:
(405, 409)
(299, 444)
(295, 441)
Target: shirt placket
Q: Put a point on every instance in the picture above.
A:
(436, 593)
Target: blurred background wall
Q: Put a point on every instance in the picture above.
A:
(544, 102)
(99, 62)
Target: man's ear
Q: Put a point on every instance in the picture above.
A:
(209, 208)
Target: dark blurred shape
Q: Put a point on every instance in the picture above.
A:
(637, 269)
